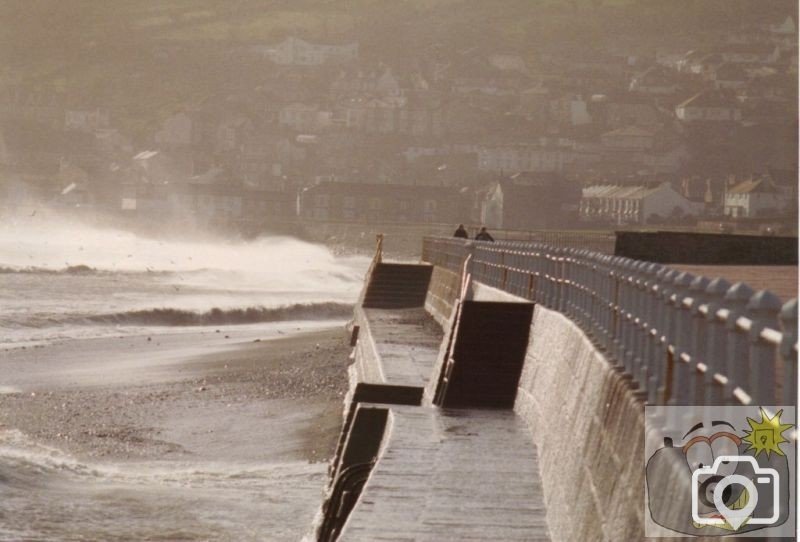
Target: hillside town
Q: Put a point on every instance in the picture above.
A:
(324, 131)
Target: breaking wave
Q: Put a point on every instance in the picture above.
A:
(216, 316)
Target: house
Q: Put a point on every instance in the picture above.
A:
(751, 53)
(570, 110)
(380, 82)
(372, 202)
(302, 117)
(708, 190)
(530, 201)
(754, 198)
(508, 62)
(709, 106)
(785, 27)
(622, 109)
(545, 156)
(177, 130)
(629, 138)
(730, 76)
(86, 120)
(297, 52)
(635, 204)
(700, 62)
(657, 80)
(372, 115)
(534, 104)
(231, 133)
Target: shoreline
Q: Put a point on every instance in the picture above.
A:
(187, 397)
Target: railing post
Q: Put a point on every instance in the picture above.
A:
(736, 358)
(662, 363)
(788, 349)
(650, 313)
(614, 311)
(679, 394)
(697, 344)
(716, 345)
(763, 309)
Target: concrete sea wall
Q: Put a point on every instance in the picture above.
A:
(587, 423)
(589, 428)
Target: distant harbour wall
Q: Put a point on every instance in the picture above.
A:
(706, 248)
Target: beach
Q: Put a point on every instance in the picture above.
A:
(236, 408)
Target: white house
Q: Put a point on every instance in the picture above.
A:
(753, 198)
(708, 106)
(634, 204)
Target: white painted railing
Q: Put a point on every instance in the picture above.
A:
(682, 339)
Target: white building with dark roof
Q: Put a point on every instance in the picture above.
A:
(635, 204)
(754, 198)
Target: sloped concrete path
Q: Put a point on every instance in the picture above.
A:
(452, 475)
(407, 343)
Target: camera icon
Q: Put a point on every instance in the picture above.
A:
(733, 498)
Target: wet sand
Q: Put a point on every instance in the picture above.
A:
(238, 395)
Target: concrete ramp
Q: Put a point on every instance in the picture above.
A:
(397, 286)
(487, 355)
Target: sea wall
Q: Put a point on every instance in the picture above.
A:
(588, 424)
(587, 420)
(589, 428)
(442, 293)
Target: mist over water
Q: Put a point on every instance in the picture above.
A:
(66, 279)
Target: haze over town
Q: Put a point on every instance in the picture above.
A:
(280, 116)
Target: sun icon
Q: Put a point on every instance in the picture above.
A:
(766, 435)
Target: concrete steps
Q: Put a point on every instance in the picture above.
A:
(397, 286)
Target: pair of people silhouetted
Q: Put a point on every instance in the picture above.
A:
(482, 235)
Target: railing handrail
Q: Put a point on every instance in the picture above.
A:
(682, 338)
(377, 258)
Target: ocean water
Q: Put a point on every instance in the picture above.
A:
(62, 280)
(46, 495)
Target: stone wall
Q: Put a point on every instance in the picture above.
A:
(442, 294)
(589, 429)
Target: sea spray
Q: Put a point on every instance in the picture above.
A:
(81, 281)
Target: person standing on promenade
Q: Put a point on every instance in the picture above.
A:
(484, 235)
(461, 232)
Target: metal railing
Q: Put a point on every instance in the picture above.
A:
(682, 339)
